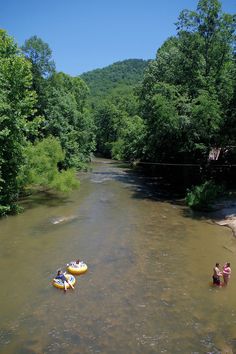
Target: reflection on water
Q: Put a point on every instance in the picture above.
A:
(147, 288)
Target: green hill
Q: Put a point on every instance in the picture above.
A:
(118, 76)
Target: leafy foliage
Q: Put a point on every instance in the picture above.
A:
(121, 74)
(40, 55)
(188, 91)
(114, 105)
(68, 119)
(45, 128)
(41, 167)
(17, 102)
(201, 197)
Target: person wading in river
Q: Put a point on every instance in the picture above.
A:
(216, 274)
(226, 273)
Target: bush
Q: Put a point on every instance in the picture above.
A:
(118, 150)
(4, 210)
(10, 209)
(201, 197)
(65, 181)
(41, 167)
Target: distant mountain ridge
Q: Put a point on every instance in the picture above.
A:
(122, 73)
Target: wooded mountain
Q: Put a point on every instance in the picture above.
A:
(113, 103)
(123, 73)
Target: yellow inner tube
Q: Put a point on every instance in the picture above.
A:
(77, 269)
(60, 285)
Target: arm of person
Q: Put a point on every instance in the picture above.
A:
(227, 271)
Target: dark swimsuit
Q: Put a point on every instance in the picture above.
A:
(216, 280)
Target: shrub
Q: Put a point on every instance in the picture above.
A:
(201, 197)
(10, 209)
(41, 167)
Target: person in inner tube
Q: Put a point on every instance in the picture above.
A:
(65, 281)
(216, 274)
(75, 263)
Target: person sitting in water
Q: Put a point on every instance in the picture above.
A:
(61, 276)
(226, 272)
(216, 274)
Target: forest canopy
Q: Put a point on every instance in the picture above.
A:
(46, 131)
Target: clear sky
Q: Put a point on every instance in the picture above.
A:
(89, 34)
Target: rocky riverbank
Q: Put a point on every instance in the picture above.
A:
(225, 214)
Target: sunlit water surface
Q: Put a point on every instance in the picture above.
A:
(147, 288)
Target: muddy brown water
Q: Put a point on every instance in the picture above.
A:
(147, 288)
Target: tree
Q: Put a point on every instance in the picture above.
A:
(17, 102)
(206, 122)
(43, 67)
(213, 32)
(40, 55)
(67, 118)
(130, 143)
(108, 122)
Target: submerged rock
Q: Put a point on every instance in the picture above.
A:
(62, 219)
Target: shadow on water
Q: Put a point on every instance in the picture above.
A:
(156, 189)
(143, 186)
(44, 198)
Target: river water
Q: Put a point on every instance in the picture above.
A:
(149, 266)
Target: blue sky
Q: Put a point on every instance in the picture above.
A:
(89, 34)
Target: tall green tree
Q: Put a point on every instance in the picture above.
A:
(43, 67)
(67, 118)
(108, 120)
(40, 55)
(130, 142)
(17, 101)
(213, 33)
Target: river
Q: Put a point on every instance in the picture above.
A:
(147, 287)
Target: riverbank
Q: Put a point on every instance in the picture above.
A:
(225, 214)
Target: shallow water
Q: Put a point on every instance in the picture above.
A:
(147, 288)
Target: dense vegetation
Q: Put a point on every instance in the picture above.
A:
(186, 103)
(202, 197)
(114, 104)
(118, 76)
(46, 132)
(175, 108)
(187, 98)
(188, 92)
